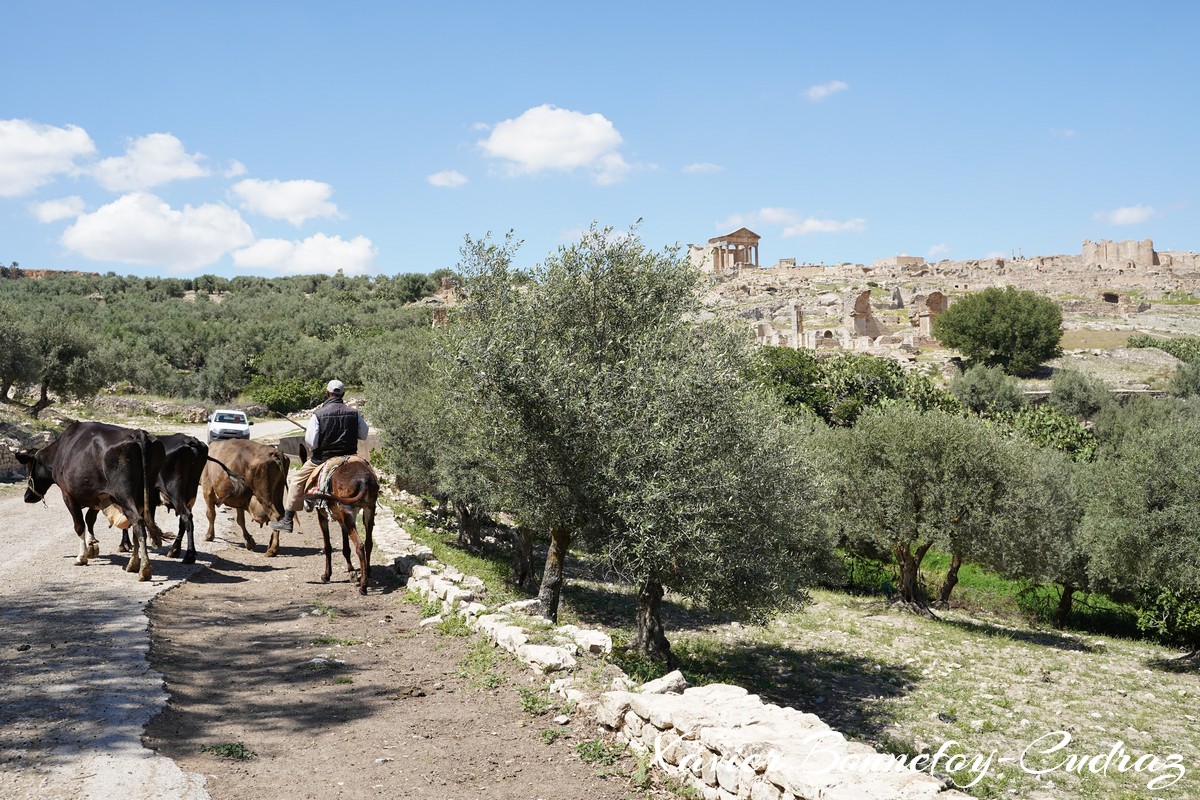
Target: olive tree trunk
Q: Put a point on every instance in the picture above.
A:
(523, 559)
(469, 521)
(651, 640)
(951, 578)
(552, 578)
(909, 585)
(43, 401)
(1065, 602)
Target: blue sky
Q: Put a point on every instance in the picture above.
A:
(171, 138)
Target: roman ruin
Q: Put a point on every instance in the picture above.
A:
(888, 307)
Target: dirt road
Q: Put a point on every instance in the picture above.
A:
(85, 715)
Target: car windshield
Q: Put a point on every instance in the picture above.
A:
(237, 418)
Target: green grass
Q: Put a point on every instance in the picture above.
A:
(237, 751)
(551, 735)
(453, 625)
(427, 607)
(491, 565)
(535, 702)
(325, 665)
(325, 610)
(343, 679)
(600, 752)
(480, 666)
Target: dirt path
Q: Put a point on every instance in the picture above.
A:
(395, 715)
(75, 688)
(396, 711)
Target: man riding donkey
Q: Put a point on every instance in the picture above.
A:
(333, 430)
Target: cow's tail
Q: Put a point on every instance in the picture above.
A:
(237, 481)
(143, 440)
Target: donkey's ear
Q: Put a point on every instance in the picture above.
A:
(24, 458)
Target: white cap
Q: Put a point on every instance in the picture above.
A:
(336, 387)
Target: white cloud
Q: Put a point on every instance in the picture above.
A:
(317, 253)
(140, 228)
(295, 201)
(820, 91)
(938, 250)
(1126, 215)
(792, 223)
(32, 154)
(150, 161)
(550, 138)
(54, 210)
(233, 169)
(1065, 133)
(702, 168)
(447, 179)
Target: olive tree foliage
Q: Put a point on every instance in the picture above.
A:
(1142, 525)
(909, 481)
(612, 420)
(67, 361)
(987, 390)
(1010, 328)
(1078, 395)
(17, 367)
(841, 387)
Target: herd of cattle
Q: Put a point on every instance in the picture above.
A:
(128, 473)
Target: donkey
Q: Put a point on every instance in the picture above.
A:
(351, 485)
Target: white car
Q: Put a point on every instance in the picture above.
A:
(228, 423)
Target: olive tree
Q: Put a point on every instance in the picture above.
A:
(1011, 328)
(66, 361)
(909, 481)
(1142, 525)
(611, 419)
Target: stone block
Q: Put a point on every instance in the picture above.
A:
(510, 637)
(545, 658)
(671, 683)
(611, 709)
(728, 775)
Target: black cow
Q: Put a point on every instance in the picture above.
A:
(96, 465)
(178, 484)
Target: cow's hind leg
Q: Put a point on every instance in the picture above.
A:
(80, 531)
(93, 545)
(177, 545)
(246, 537)
(139, 561)
(186, 519)
(210, 511)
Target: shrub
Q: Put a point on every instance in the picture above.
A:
(987, 390)
(1078, 395)
(286, 396)
(1009, 328)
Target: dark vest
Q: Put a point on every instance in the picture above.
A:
(337, 430)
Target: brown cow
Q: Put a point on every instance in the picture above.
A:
(264, 470)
